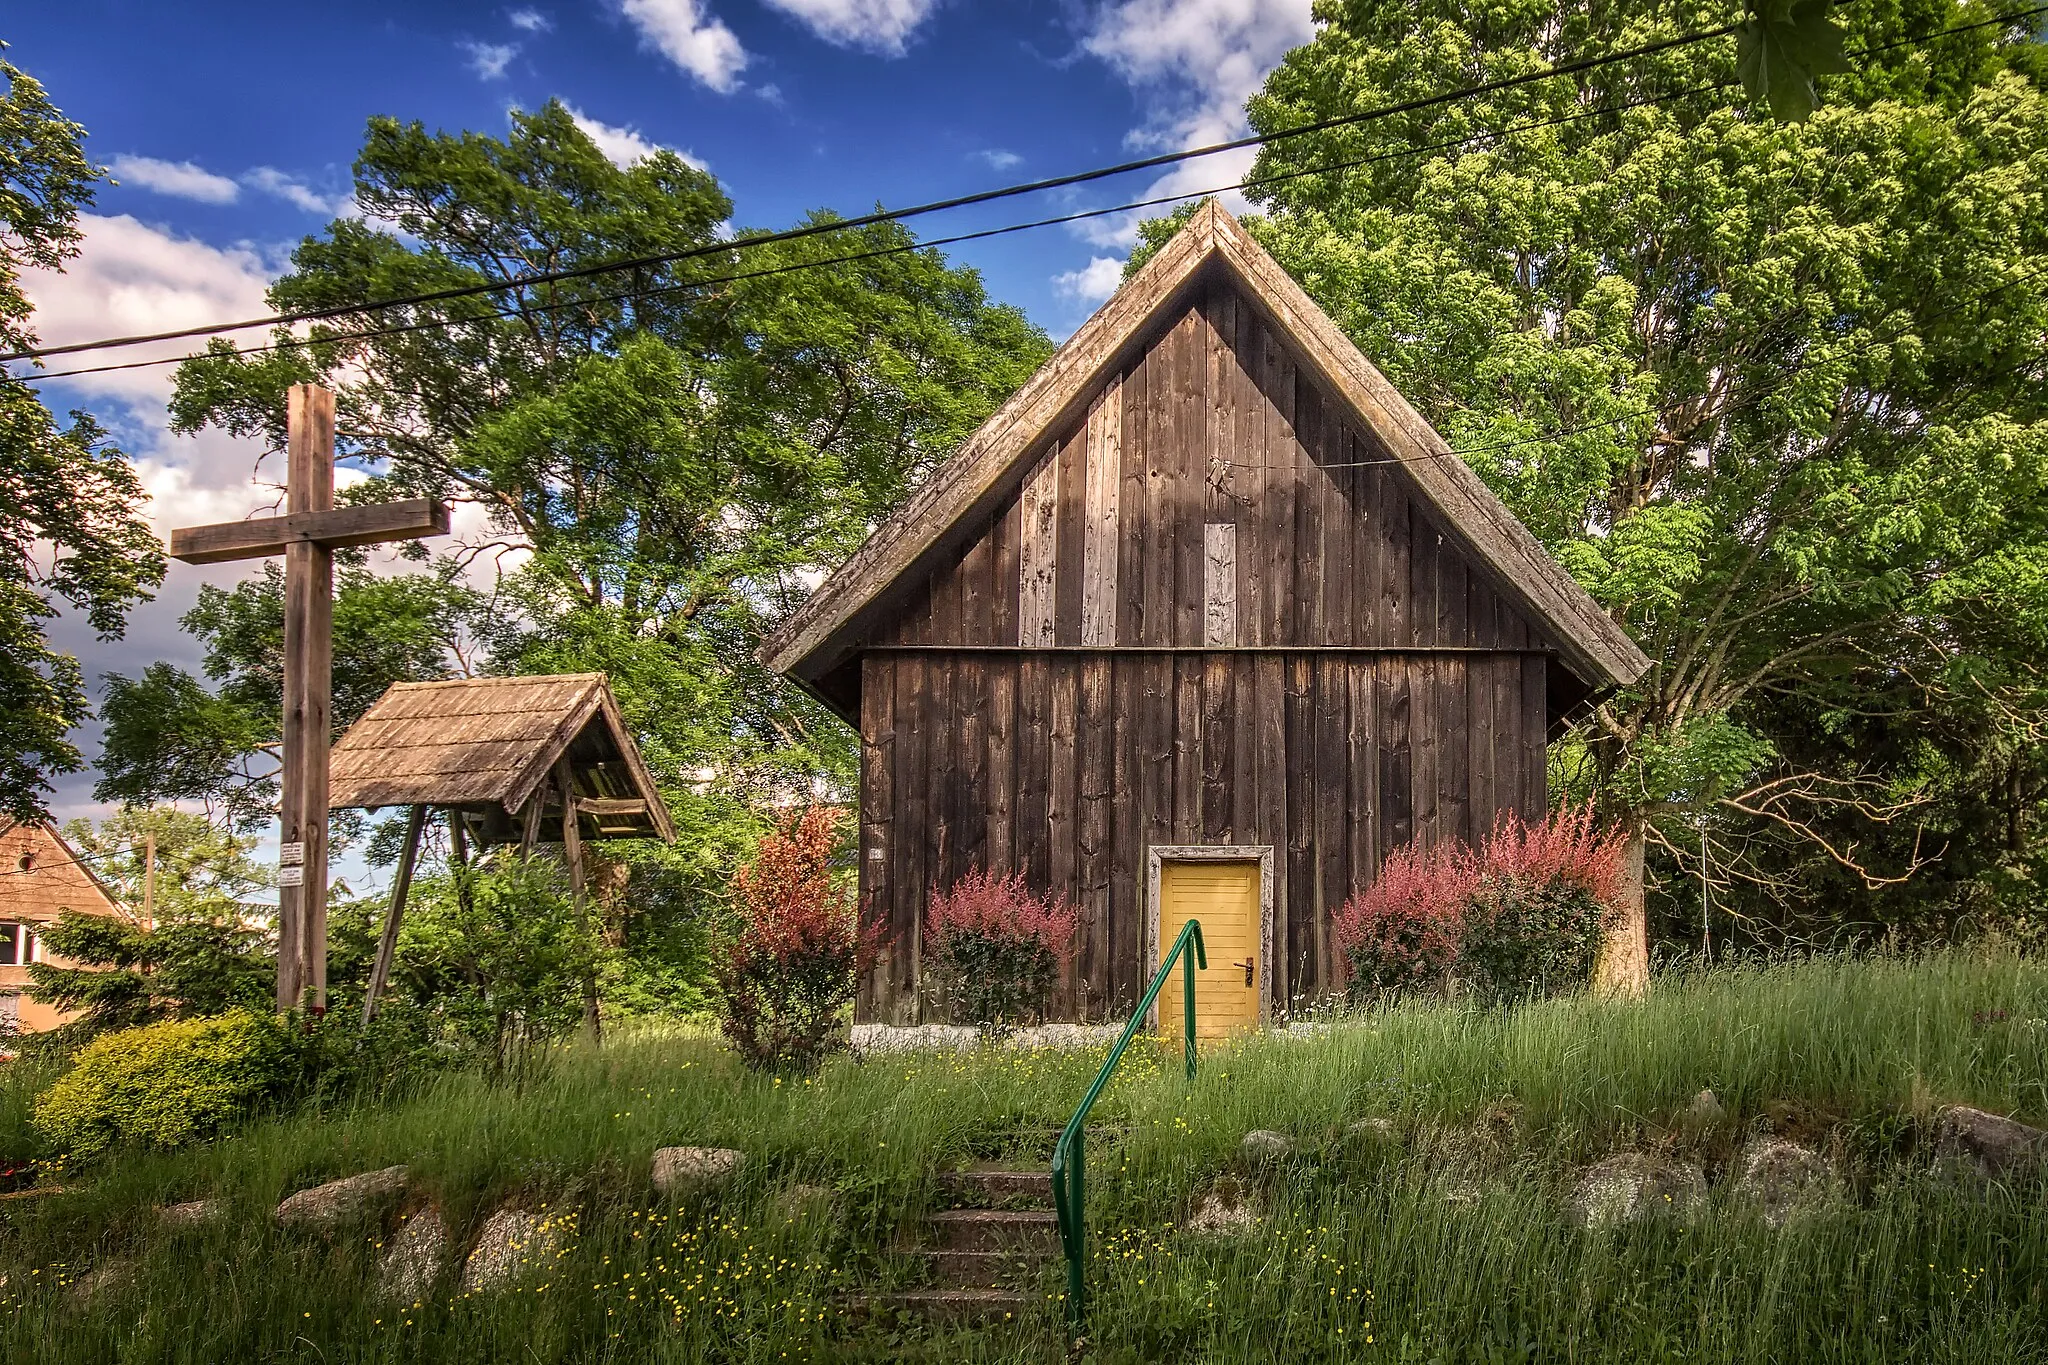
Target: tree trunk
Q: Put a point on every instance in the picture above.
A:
(1623, 969)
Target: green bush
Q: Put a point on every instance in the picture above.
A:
(1522, 915)
(164, 1085)
(1525, 937)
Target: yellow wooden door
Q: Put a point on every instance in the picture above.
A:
(1224, 896)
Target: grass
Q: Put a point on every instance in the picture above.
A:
(1451, 1244)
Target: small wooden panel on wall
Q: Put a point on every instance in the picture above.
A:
(1038, 555)
(1219, 584)
(1100, 525)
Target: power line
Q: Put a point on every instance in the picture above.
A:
(872, 219)
(898, 215)
(1082, 215)
(524, 309)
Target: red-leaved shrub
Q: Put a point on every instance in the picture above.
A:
(1524, 915)
(997, 949)
(1567, 848)
(786, 978)
(1402, 933)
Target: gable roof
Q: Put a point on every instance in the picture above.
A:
(491, 741)
(57, 878)
(824, 630)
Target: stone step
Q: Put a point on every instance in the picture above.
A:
(986, 1269)
(994, 1229)
(947, 1305)
(1034, 1144)
(988, 1181)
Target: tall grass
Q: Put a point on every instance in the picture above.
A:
(1452, 1244)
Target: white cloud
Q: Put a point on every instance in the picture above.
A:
(690, 36)
(131, 277)
(181, 179)
(877, 25)
(1092, 283)
(489, 60)
(622, 146)
(294, 191)
(999, 159)
(531, 21)
(1195, 63)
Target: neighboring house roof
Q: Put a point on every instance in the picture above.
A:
(56, 879)
(829, 626)
(491, 742)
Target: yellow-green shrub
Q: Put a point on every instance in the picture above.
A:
(165, 1084)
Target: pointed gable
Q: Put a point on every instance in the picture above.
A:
(1208, 461)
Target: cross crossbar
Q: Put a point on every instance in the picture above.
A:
(369, 524)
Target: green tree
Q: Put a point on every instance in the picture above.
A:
(674, 454)
(202, 950)
(169, 738)
(70, 523)
(678, 451)
(1773, 391)
(491, 959)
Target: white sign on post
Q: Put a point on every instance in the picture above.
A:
(292, 853)
(291, 876)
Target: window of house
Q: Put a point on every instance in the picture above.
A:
(18, 945)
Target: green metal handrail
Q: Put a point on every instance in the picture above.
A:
(1070, 1153)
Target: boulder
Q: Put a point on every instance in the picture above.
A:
(1263, 1144)
(1990, 1144)
(1225, 1211)
(344, 1200)
(1633, 1187)
(1783, 1179)
(1703, 1115)
(1374, 1130)
(802, 1204)
(108, 1281)
(412, 1257)
(191, 1213)
(514, 1243)
(681, 1170)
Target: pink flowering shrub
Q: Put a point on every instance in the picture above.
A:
(996, 949)
(1523, 915)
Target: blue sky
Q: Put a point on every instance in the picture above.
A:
(231, 126)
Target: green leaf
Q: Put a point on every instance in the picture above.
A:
(1781, 47)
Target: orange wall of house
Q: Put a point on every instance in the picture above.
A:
(54, 881)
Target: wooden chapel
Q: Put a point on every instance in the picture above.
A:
(1206, 620)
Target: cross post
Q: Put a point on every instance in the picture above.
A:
(307, 536)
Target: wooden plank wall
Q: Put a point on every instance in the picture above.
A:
(1214, 425)
(1210, 453)
(1176, 758)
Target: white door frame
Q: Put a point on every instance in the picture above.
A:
(1157, 855)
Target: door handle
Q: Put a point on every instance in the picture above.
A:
(1250, 967)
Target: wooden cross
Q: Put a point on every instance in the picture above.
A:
(307, 536)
